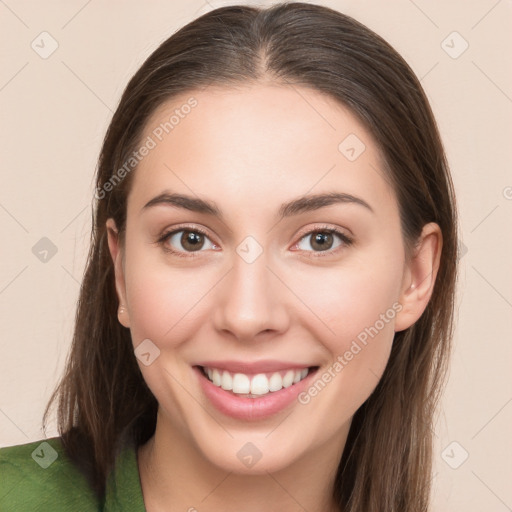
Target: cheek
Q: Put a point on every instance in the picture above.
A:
(352, 300)
(340, 304)
(358, 308)
(357, 304)
(163, 299)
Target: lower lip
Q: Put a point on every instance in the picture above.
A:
(251, 408)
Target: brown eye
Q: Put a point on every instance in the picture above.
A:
(323, 240)
(192, 241)
(186, 241)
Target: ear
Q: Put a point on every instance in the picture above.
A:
(420, 276)
(116, 251)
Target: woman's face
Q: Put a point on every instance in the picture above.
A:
(232, 262)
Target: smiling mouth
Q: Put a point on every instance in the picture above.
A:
(255, 385)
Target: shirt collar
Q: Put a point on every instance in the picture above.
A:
(124, 491)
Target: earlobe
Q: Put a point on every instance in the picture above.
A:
(420, 276)
(116, 252)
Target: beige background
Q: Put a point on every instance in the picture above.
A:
(54, 113)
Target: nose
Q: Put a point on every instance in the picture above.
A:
(251, 301)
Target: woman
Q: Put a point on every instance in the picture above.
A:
(266, 313)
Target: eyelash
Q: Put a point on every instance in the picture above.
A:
(347, 241)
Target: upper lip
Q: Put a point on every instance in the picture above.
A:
(255, 366)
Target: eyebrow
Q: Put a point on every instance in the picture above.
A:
(302, 204)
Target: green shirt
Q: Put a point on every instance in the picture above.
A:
(40, 477)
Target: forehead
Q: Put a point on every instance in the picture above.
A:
(251, 144)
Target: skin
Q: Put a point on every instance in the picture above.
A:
(249, 150)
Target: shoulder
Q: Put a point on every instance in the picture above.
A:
(39, 476)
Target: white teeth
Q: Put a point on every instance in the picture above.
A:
(227, 381)
(288, 379)
(260, 384)
(216, 378)
(275, 383)
(241, 383)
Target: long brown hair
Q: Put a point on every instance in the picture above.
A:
(103, 400)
